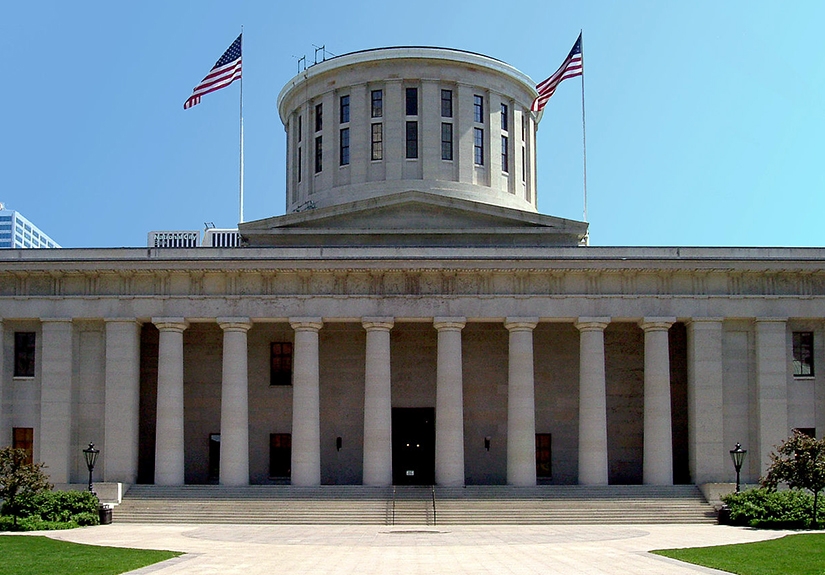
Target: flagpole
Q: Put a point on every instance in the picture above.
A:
(240, 184)
(584, 142)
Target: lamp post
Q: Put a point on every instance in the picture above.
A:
(90, 453)
(737, 454)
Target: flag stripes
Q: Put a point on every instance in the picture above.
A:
(225, 71)
(571, 67)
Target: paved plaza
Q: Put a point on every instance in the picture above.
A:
(417, 550)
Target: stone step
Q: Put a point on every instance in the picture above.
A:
(414, 505)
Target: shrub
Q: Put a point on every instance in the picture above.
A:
(771, 509)
(55, 510)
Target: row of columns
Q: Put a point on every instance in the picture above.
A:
(121, 412)
(449, 433)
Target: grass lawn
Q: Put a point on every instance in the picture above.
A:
(802, 554)
(34, 555)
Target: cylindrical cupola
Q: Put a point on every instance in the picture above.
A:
(391, 120)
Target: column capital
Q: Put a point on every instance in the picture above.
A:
(234, 323)
(178, 324)
(782, 320)
(657, 323)
(378, 323)
(306, 323)
(449, 323)
(592, 323)
(56, 320)
(521, 323)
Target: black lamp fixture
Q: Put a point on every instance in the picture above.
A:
(90, 453)
(737, 454)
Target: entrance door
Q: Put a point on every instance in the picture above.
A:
(413, 446)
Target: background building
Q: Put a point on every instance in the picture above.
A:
(411, 319)
(18, 232)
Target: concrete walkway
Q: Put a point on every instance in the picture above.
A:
(366, 550)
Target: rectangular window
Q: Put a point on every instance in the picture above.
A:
(544, 456)
(523, 126)
(319, 151)
(377, 104)
(300, 128)
(446, 103)
(280, 363)
(446, 141)
(300, 165)
(478, 109)
(377, 142)
(809, 431)
(412, 101)
(23, 438)
(280, 455)
(344, 109)
(504, 120)
(24, 354)
(319, 117)
(505, 157)
(412, 140)
(343, 155)
(803, 354)
(478, 146)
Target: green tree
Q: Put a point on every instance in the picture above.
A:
(17, 477)
(799, 461)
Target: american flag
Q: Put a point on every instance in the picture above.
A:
(225, 71)
(570, 68)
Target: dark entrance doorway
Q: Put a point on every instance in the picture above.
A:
(413, 445)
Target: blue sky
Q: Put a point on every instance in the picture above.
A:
(705, 119)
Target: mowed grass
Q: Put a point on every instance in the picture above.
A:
(35, 555)
(802, 554)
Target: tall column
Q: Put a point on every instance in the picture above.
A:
(657, 465)
(593, 461)
(234, 462)
(377, 403)
(306, 417)
(121, 413)
(705, 396)
(169, 446)
(56, 398)
(521, 403)
(771, 387)
(449, 403)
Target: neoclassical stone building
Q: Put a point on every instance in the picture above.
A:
(411, 319)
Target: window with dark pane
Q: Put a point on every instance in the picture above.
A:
(319, 153)
(24, 342)
(504, 118)
(412, 140)
(505, 155)
(803, 353)
(377, 142)
(280, 363)
(412, 101)
(478, 146)
(446, 103)
(446, 141)
(343, 155)
(344, 109)
(544, 456)
(377, 103)
(319, 117)
(478, 108)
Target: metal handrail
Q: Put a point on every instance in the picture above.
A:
(393, 505)
(432, 487)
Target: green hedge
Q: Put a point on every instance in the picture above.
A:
(768, 509)
(52, 510)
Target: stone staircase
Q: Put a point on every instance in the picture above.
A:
(357, 505)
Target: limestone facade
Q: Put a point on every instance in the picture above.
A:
(414, 321)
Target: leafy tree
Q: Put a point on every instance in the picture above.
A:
(799, 461)
(19, 478)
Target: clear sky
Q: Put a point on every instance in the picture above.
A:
(705, 119)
